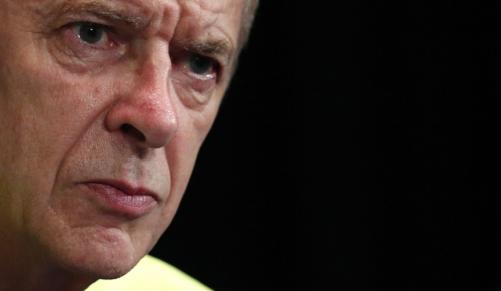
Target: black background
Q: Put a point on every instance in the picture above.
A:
(410, 200)
(357, 149)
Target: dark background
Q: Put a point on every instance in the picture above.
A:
(409, 94)
(357, 149)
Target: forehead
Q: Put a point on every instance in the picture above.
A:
(219, 17)
(207, 16)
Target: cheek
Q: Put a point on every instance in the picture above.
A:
(182, 152)
(181, 156)
(45, 112)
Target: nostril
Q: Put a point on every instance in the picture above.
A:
(132, 131)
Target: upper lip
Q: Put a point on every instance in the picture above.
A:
(127, 188)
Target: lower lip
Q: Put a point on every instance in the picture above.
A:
(118, 202)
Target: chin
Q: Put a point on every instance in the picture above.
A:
(97, 254)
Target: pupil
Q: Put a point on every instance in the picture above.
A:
(200, 65)
(90, 33)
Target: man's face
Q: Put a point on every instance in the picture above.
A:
(103, 107)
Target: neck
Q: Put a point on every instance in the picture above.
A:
(28, 271)
(41, 281)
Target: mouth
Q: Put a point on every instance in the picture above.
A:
(122, 199)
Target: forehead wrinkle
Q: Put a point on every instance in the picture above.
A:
(200, 17)
(206, 34)
(115, 10)
(206, 15)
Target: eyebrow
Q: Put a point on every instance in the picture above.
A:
(138, 20)
(220, 48)
(100, 9)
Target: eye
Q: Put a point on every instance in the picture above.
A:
(201, 65)
(195, 75)
(85, 44)
(90, 32)
(96, 35)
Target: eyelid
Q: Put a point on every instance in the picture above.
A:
(125, 17)
(108, 42)
(80, 56)
(219, 50)
(217, 59)
(182, 59)
(119, 32)
(216, 67)
(106, 28)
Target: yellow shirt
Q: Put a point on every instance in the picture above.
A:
(150, 274)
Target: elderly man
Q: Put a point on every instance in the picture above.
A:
(103, 107)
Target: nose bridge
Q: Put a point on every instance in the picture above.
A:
(150, 90)
(147, 104)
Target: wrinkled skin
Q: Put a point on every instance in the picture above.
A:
(129, 107)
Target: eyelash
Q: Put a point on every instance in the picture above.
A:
(187, 60)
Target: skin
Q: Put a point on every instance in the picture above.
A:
(129, 109)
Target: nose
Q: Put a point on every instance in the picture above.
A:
(146, 112)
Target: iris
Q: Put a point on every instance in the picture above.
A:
(90, 33)
(200, 65)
